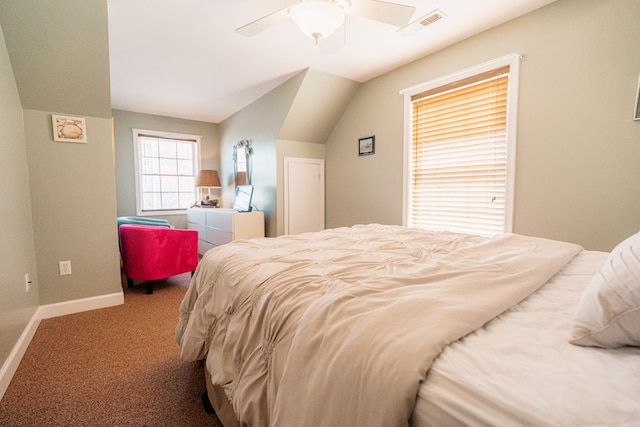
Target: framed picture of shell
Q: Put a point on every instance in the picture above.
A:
(69, 129)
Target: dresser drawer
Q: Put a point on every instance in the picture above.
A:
(220, 220)
(196, 216)
(218, 237)
(218, 226)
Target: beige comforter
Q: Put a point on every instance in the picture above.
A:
(339, 327)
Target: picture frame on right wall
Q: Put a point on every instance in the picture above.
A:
(636, 111)
(367, 146)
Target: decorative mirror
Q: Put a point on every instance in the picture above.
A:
(242, 163)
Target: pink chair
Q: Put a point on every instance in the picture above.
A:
(152, 253)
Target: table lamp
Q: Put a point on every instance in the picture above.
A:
(208, 179)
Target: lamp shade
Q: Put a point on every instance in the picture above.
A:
(208, 178)
(317, 18)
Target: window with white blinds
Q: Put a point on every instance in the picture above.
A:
(459, 171)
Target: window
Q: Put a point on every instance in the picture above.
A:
(461, 149)
(166, 165)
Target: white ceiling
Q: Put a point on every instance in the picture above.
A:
(183, 58)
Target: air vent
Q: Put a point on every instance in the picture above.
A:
(428, 19)
(434, 16)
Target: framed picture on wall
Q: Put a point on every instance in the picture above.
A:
(367, 146)
(636, 111)
(69, 129)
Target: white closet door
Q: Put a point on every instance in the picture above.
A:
(303, 195)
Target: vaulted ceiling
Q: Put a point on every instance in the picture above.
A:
(185, 59)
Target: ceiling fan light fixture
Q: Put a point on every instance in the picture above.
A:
(318, 18)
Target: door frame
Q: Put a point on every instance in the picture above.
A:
(287, 161)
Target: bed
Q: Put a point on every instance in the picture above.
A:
(378, 325)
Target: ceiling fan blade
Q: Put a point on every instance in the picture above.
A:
(390, 13)
(264, 23)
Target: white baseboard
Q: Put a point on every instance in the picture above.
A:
(11, 364)
(79, 305)
(45, 312)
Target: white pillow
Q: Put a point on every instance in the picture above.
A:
(608, 314)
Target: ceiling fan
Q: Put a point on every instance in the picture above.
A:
(319, 19)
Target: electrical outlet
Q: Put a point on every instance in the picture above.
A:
(64, 267)
(27, 282)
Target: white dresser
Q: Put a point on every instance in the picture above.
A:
(217, 226)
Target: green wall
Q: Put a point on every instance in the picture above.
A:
(73, 207)
(319, 102)
(60, 54)
(124, 122)
(578, 150)
(17, 251)
(59, 200)
(292, 120)
(260, 122)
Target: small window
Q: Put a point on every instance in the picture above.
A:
(461, 148)
(166, 165)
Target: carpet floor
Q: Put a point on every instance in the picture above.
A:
(117, 366)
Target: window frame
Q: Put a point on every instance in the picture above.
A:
(513, 62)
(137, 133)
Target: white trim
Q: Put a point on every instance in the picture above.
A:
(406, 160)
(287, 162)
(45, 312)
(77, 306)
(512, 132)
(510, 59)
(513, 61)
(10, 365)
(636, 106)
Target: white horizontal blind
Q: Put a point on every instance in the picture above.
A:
(459, 155)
